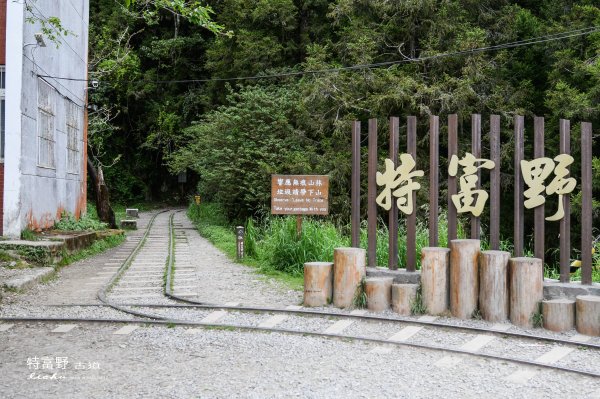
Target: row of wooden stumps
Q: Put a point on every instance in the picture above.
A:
(461, 279)
(337, 282)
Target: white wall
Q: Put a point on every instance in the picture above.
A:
(12, 156)
(43, 193)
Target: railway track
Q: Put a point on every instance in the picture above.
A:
(456, 341)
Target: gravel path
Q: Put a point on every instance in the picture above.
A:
(154, 362)
(221, 280)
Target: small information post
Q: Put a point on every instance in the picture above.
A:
(240, 232)
(299, 195)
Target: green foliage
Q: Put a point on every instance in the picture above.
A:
(37, 255)
(193, 11)
(417, 306)
(96, 248)
(86, 222)
(50, 26)
(256, 138)
(537, 318)
(29, 235)
(359, 300)
(231, 136)
(287, 252)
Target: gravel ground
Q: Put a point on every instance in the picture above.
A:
(157, 362)
(94, 312)
(225, 281)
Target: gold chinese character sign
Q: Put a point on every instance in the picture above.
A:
(398, 182)
(535, 173)
(468, 198)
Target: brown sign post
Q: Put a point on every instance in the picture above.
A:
(299, 195)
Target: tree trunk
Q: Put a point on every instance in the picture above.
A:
(318, 283)
(526, 289)
(435, 277)
(103, 208)
(464, 277)
(493, 285)
(379, 293)
(349, 268)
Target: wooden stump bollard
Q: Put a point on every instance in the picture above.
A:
(526, 289)
(435, 277)
(402, 297)
(379, 293)
(318, 283)
(464, 277)
(588, 314)
(493, 285)
(559, 314)
(349, 268)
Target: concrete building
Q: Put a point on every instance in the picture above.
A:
(44, 126)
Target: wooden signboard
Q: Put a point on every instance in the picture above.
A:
(299, 195)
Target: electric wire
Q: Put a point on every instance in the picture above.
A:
(509, 45)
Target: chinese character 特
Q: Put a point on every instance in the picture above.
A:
(468, 198)
(535, 173)
(33, 363)
(401, 180)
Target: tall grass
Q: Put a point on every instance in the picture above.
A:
(274, 244)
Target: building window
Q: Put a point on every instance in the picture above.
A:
(73, 161)
(45, 125)
(2, 111)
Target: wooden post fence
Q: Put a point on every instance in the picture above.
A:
(494, 198)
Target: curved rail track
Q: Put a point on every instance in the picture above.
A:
(191, 306)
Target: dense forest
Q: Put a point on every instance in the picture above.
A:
(232, 104)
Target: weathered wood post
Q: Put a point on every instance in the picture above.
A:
(558, 314)
(565, 222)
(464, 277)
(495, 182)
(349, 268)
(318, 283)
(588, 314)
(372, 194)
(519, 227)
(402, 297)
(586, 203)
(379, 293)
(435, 277)
(355, 184)
(452, 180)
(476, 151)
(526, 289)
(493, 285)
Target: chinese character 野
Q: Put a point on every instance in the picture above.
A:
(535, 173)
(401, 180)
(469, 199)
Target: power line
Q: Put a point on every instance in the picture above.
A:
(521, 43)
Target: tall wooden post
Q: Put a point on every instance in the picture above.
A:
(452, 189)
(495, 183)
(393, 214)
(476, 150)
(565, 222)
(411, 221)
(586, 203)
(372, 195)
(355, 184)
(434, 165)
(518, 186)
(538, 212)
